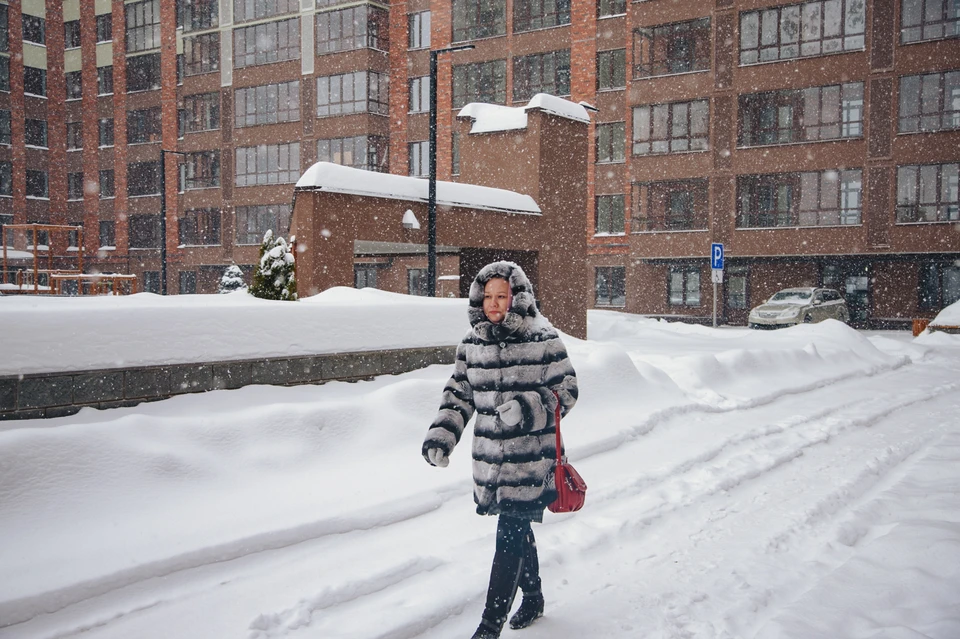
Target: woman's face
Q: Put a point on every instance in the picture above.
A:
(496, 299)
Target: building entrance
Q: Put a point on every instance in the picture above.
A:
(852, 279)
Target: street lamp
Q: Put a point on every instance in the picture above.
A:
(163, 217)
(432, 189)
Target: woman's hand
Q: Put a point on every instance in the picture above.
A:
(510, 413)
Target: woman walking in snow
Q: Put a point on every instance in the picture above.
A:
(511, 369)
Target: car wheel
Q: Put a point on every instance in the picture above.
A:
(807, 319)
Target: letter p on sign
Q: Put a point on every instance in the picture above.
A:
(716, 256)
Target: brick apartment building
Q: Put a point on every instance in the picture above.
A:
(819, 141)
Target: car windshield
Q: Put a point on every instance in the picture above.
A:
(791, 297)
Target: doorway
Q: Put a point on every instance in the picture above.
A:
(852, 279)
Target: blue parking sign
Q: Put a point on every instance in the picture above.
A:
(716, 256)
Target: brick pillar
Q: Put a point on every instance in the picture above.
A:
(168, 127)
(399, 95)
(441, 34)
(583, 86)
(120, 202)
(17, 126)
(91, 136)
(56, 127)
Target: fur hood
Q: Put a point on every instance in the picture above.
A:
(523, 318)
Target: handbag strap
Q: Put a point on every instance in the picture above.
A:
(556, 414)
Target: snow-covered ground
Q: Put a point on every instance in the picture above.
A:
(803, 483)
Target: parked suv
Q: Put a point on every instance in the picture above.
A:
(795, 305)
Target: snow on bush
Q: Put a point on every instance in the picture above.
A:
(274, 278)
(232, 280)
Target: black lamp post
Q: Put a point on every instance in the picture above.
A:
(163, 218)
(432, 190)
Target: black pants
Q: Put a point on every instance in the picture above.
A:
(514, 564)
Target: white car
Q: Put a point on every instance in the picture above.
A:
(799, 305)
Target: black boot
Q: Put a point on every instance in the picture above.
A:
(504, 577)
(531, 607)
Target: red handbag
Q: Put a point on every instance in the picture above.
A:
(571, 489)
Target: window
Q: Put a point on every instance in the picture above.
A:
(71, 34)
(74, 85)
(672, 48)
(6, 133)
(6, 178)
(474, 19)
(106, 183)
(611, 286)
(151, 281)
(417, 281)
(539, 14)
(105, 132)
(201, 54)
(418, 157)
(4, 28)
(144, 233)
(670, 128)
(939, 286)
(420, 95)
(268, 164)
(34, 29)
(35, 133)
(104, 80)
(266, 43)
(360, 152)
(679, 205)
(34, 81)
(254, 221)
(359, 27)
(75, 186)
(108, 234)
(255, 9)
(267, 104)
(4, 72)
(143, 25)
(824, 198)
(104, 27)
(419, 30)
(200, 227)
(611, 142)
(480, 82)
(364, 276)
(801, 115)
(143, 178)
(612, 69)
(930, 102)
(928, 193)
(188, 283)
(74, 136)
(610, 215)
(200, 14)
(929, 20)
(143, 72)
(201, 112)
(684, 286)
(144, 125)
(801, 30)
(202, 170)
(455, 153)
(611, 8)
(38, 185)
(358, 92)
(541, 73)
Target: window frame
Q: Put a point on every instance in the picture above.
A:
(142, 26)
(201, 54)
(547, 72)
(688, 273)
(374, 98)
(764, 37)
(774, 118)
(939, 24)
(33, 29)
(609, 219)
(944, 207)
(370, 29)
(201, 170)
(478, 19)
(368, 152)
(479, 82)
(653, 211)
(255, 164)
(652, 138)
(836, 203)
(612, 70)
(611, 142)
(535, 15)
(252, 44)
(611, 280)
(271, 104)
(656, 51)
(922, 112)
(279, 222)
(71, 34)
(200, 227)
(201, 112)
(418, 156)
(418, 30)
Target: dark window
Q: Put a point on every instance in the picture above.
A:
(200, 14)
(541, 73)
(6, 133)
(143, 178)
(930, 102)
(4, 28)
(106, 183)
(683, 285)
(928, 193)
(418, 158)
(417, 281)
(34, 29)
(610, 215)
(188, 283)
(144, 232)
(37, 184)
(939, 286)
(670, 206)
(74, 85)
(672, 48)
(268, 164)
(801, 115)
(75, 186)
(74, 136)
(143, 25)
(35, 133)
(480, 82)
(104, 80)
(455, 153)
(420, 94)
(359, 152)
(539, 14)
(201, 112)
(612, 69)
(71, 34)
(611, 7)
(825, 198)
(143, 72)
(610, 286)
(202, 170)
(201, 54)
(364, 276)
(419, 30)
(105, 132)
(357, 92)
(359, 27)
(151, 282)
(266, 43)
(611, 142)
(671, 128)
(6, 178)
(144, 125)
(108, 234)
(255, 9)
(267, 104)
(200, 227)
(104, 27)
(254, 221)
(929, 20)
(474, 19)
(4, 73)
(34, 81)
(801, 30)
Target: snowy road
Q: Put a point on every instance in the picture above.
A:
(800, 484)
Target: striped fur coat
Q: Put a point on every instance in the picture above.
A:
(522, 358)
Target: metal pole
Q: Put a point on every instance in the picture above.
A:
(714, 304)
(432, 188)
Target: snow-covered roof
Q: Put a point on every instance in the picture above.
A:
(489, 118)
(13, 254)
(334, 178)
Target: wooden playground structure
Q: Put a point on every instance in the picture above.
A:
(17, 279)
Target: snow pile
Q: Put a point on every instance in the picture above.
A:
(950, 316)
(495, 118)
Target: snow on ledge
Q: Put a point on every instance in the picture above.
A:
(489, 118)
(324, 176)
